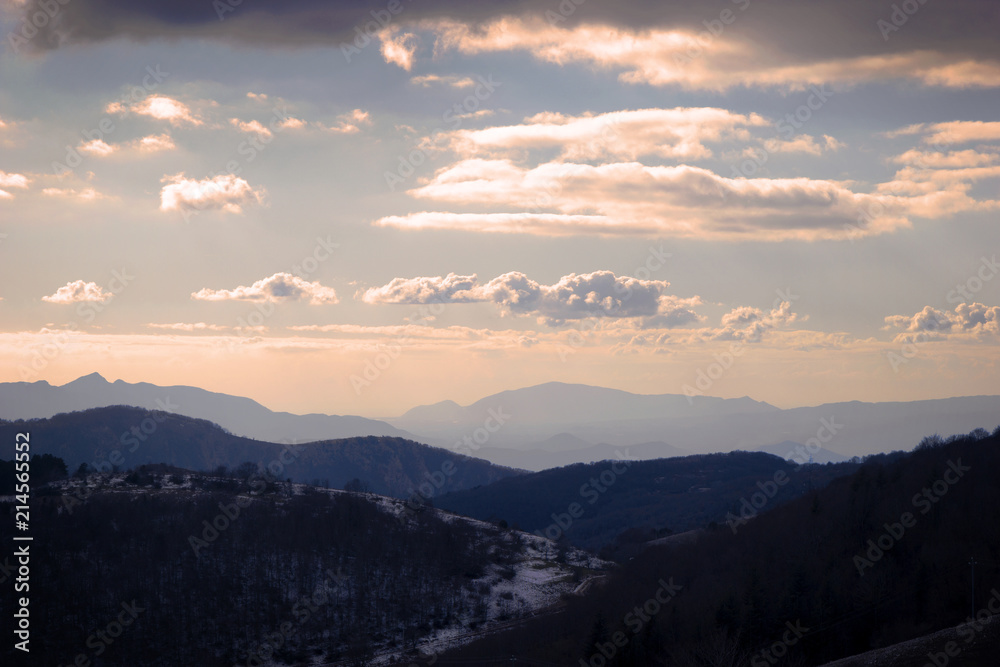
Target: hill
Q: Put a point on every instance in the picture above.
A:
(173, 569)
(875, 558)
(972, 645)
(128, 437)
(634, 501)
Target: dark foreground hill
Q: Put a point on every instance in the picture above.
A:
(129, 437)
(162, 567)
(614, 503)
(876, 558)
(970, 644)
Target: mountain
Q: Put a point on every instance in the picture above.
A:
(168, 567)
(129, 437)
(611, 419)
(799, 453)
(559, 402)
(562, 442)
(622, 502)
(873, 559)
(557, 452)
(580, 422)
(243, 416)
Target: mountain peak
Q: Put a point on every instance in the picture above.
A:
(92, 380)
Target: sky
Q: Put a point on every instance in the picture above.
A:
(356, 208)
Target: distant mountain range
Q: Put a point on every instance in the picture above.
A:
(554, 424)
(243, 416)
(129, 437)
(557, 424)
(558, 402)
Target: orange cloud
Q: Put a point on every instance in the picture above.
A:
(630, 198)
(685, 58)
(77, 291)
(674, 133)
(225, 191)
(279, 287)
(159, 107)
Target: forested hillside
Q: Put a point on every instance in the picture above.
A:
(161, 568)
(127, 437)
(875, 558)
(627, 502)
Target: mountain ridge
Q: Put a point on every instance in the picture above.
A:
(239, 414)
(127, 437)
(600, 420)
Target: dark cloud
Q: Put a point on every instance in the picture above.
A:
(819, 29)
(257, 22)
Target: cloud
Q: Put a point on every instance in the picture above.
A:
(403, 331)
(936, 193)
(97, 147)
(802, 143)
(963, 74)
(451, 80)
(159, 107)
(451, 288)
(78, 291)
(762, 43)
(962, 131)
(599, 294)
(933, 324)
(560, 198)
(250, 127)
(742, 316)
(749, 324)
(276, 288)
(475, 115)
(187, 326)
(351, 122)
(692, 58)
(928, 319)
(84, 194)
(226, 192)
(154, 143)
(674, 311)
(149, 144)
(909, 130)
(542, 224)
(11, 180)
(950, 160)
(952, 132)
(400, 49)
(671, 133)
(976, 316)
